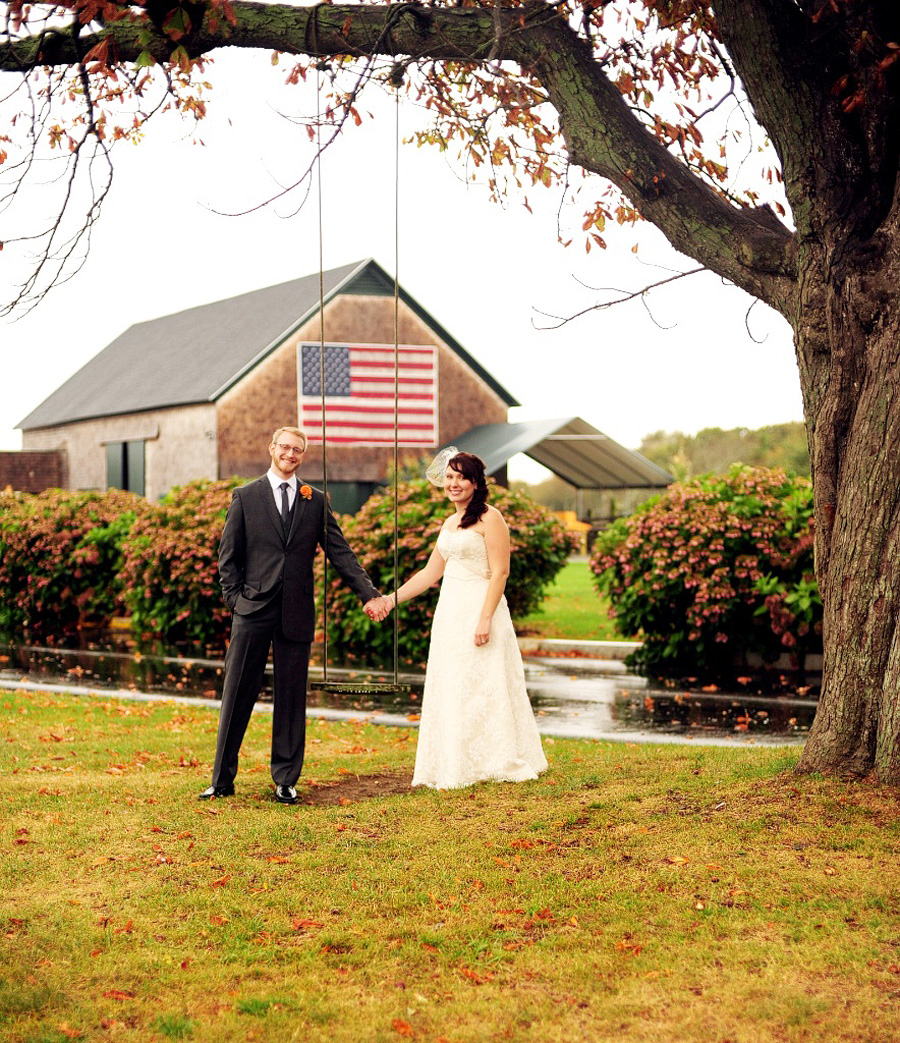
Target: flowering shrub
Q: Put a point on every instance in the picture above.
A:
(59, 559)
(539, 548)
(170, 566)
(715, 568)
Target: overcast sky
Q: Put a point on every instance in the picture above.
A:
(483, 271)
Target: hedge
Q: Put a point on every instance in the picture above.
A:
(539, 548)
(715, 569)
(169, 573)
(60, 556)
(68, 560)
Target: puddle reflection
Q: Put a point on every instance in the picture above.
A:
(599, 700)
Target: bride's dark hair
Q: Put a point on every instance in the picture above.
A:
(471, 467)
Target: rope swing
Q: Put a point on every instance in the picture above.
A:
(393, 687)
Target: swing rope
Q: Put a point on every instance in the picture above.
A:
(364, 687)
(322, 377)
(396, 612)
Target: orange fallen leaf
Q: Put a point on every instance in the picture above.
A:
(222, 881)
(402, 1027)
(305, 925)
(118, 994)
(476, 977)
(677, 860)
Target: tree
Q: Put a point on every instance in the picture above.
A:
(532, 92)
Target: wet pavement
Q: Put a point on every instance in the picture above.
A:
(590, 695)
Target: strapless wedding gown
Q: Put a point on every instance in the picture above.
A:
(477, 723)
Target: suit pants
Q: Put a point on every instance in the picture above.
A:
(245, 665)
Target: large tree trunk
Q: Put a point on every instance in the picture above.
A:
(849, 348)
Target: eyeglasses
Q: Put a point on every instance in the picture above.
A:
(293, 449)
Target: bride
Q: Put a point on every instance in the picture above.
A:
(477, 723)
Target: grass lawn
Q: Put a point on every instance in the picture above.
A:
(632, 894)
(571, 609)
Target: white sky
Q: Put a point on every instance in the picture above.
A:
(481, 270)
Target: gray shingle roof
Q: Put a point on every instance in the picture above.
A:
(194, 356)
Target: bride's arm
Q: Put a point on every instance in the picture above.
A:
(419, 581)
(496, 539)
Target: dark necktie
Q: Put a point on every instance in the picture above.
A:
(285, 509)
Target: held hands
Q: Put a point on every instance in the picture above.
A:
(379, 608)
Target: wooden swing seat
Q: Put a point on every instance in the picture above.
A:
(360, 687)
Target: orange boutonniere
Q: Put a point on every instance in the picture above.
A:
(306, 492)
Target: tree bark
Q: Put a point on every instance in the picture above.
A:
(849, 353)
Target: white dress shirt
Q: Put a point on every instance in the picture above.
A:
(276, 482)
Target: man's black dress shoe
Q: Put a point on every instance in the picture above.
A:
(286, 795)
(216, 791)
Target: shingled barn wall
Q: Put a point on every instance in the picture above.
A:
(266, 397)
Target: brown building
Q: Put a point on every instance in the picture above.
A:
(197, 394)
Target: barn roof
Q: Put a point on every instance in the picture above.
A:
(194, 356)
(571, 448)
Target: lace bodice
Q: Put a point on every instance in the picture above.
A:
(465, 553)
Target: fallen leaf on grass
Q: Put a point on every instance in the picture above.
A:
(677, 860)
(402, 1027)
(306, 925)
(70, 1033)
(222, 881)
(476, 977)
(118, 994)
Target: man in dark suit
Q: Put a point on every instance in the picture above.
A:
(272, 531)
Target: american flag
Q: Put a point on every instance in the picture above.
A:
(359, 394)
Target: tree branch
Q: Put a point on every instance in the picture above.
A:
(749, 247)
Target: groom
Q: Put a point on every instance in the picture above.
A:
(272, 531)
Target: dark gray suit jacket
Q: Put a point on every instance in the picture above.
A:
(256, 561)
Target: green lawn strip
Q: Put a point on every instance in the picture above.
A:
(633, 893)
(571, 609)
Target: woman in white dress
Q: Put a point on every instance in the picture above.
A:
(477, 723)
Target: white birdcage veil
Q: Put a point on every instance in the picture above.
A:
(435, 471)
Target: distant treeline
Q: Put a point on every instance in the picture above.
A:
(714, 451)
(710, 451)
